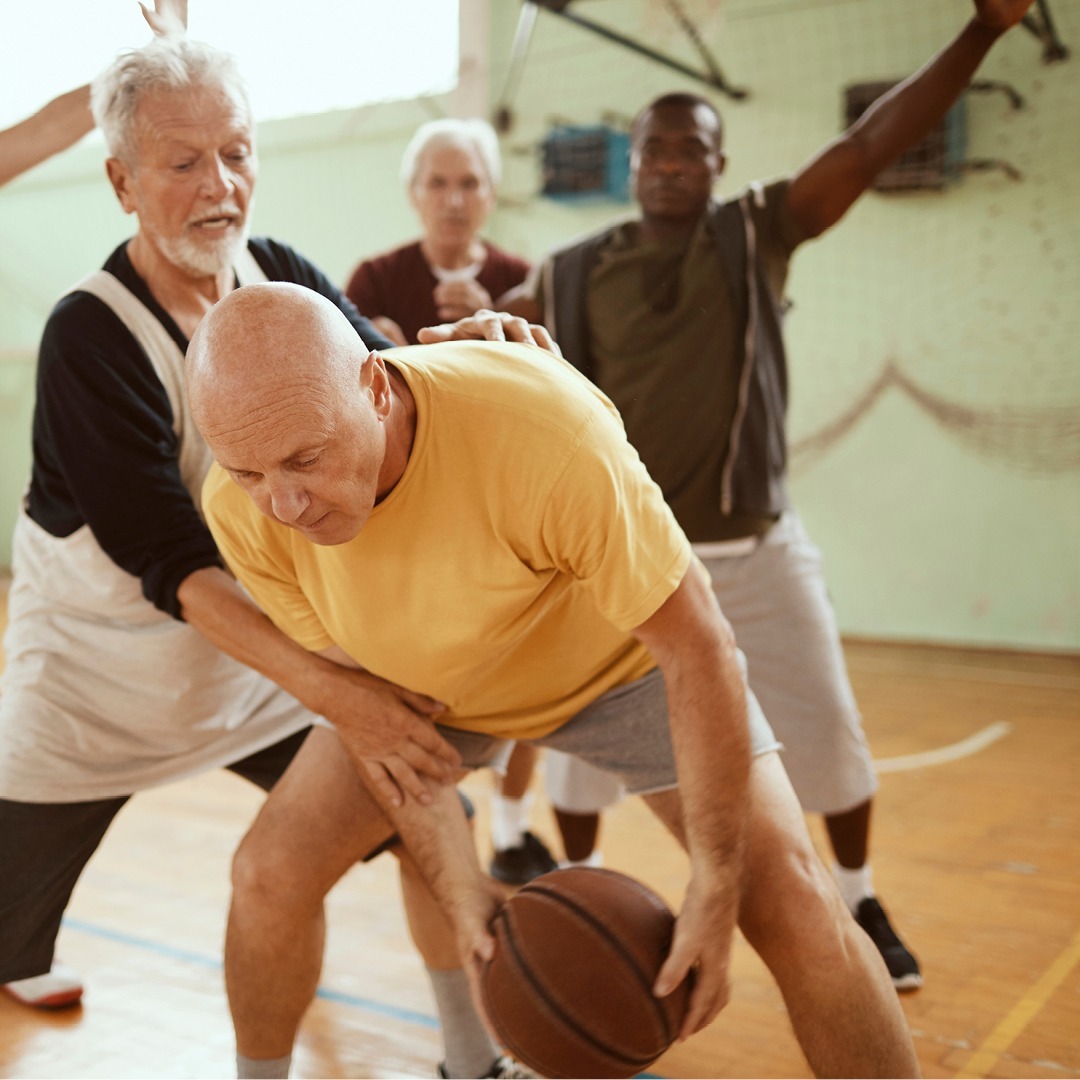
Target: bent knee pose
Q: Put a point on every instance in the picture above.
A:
(469, 520)
(132, 656)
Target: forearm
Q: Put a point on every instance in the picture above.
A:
(695, 649)
(441, 843)
(58, 125)
(912, 109)
(823, 190)
(213, 603)
(707, 709)
(519, 301)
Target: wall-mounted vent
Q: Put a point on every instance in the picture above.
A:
(586, 162)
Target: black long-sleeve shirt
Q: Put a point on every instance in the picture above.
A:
(104, 450)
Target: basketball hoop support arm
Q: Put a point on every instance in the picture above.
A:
(712, 76)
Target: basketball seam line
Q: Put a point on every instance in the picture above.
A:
(538, 887)
(588, 1037)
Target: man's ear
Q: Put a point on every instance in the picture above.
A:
(375, 380)
(721, 163)
(119, 175)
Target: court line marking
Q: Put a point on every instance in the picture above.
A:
(187, 956)
(1040, 680)
(1022, 1013)
(954, 752)
(337, 996)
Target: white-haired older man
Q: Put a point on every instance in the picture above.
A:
(133, 658)
(451, 171)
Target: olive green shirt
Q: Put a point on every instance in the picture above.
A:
(666, 343)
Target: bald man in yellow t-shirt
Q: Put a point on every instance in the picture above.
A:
(469, 522)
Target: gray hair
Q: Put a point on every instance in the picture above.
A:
(478, 135)
(166, 63)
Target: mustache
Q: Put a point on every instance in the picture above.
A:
(224, 210)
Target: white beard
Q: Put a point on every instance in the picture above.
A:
(203, 259)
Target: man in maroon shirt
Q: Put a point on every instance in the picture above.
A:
(451, 171)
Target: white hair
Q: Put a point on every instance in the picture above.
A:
(478, 135)
(166, 63)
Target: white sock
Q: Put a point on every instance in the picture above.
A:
(509, 820)
(855, 885)
(467, 1045)
(594, 858)
(263, 1068)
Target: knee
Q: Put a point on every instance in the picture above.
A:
(264, 875)
(797, 911)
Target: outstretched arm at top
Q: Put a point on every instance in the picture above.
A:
(67, 118)
(821, 192)
(60, 124)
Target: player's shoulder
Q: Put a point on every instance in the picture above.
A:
(517, 379)
(81, 325)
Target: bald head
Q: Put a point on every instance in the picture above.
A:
(264, 339)
(295, 408)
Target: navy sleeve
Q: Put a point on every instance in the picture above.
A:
(105, 453)
(281, 263)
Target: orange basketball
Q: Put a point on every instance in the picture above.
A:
(569, 989)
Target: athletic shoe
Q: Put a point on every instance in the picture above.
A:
(902, 965)
(56, 989)
(502, 1068)
(519, 865)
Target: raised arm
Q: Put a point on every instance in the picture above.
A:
(826, 186)
(60, 124)
(67, 118)
(695, 650)
(169, 17)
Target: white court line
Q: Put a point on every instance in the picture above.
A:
(964, 748)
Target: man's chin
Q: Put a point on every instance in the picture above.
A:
(327, 534)
(673, 208)
(205, 259)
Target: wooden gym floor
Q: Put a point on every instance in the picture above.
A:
(977, 835)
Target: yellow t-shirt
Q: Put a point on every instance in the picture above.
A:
(503, 573)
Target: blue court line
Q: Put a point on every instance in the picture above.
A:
(185, 955)
(407, 1015)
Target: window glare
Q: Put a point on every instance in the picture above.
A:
(297, 57)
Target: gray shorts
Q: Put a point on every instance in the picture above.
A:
(777, 603)
(624, 732)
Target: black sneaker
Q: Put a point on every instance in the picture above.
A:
(519, 865)
(902, 965)
(503, 1068)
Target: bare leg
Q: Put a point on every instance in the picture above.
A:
(519, 772)
(519, 854)
(849, 835)
(838, 993)
(430, 930)
(316, 823)
(579, 833)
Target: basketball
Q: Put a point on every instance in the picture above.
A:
(569, 989)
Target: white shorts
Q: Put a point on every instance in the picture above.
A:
(576, 787)
(777, 603)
